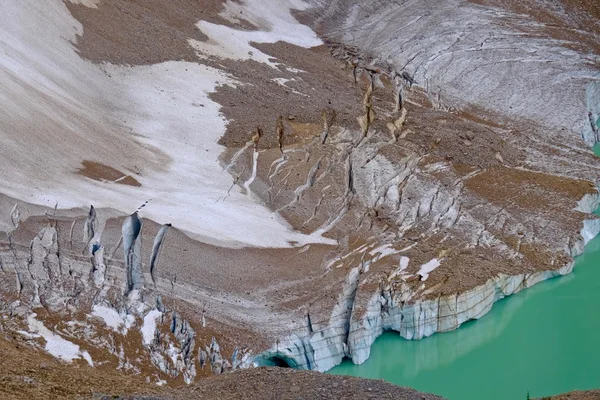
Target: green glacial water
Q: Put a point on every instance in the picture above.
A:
(545, 340)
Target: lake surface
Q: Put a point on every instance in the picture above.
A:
(544, 340)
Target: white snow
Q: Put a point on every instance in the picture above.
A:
(383, 251)
(281, 81)
(403, 263)
(339, 259)
(86, 356)
(156, 120)
(110, 316)
(253, 175)
(427, 268)
(277, 24)
(119, 322)
(149, 326)
(28, 335)
(55, 344)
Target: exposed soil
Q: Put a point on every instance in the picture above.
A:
(322, 85)
(576, 395)
(143, 32)
(285, 383)
(29, 374)
(527, 189)
(100, 172)
(26, 373)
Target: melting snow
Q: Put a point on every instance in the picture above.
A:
(276, 25)
(28, 335)
(281, 81)
(55, 344)
(149, 326)
(173, 352)
(156, 103)
(384, 251)
(112, 319)
(253, 175)
(403, 263)
(335, 260)
(87, 3)
(427, 268)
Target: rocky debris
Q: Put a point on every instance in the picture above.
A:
(576, 395)
(281, 383)
(393, 162)
(28, 373)
(25, 373)
(590, 132)
(106, 308)
(15, 216)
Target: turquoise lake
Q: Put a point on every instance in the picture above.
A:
(544, 340)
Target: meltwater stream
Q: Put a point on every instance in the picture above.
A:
(544, 340)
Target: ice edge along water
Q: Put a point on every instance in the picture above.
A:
(345, 337)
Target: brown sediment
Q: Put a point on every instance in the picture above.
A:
(461, 138)
(140, 32)
(576, 395)
(26, 373)
(322, 84)
(285, 383)
(526, 190)
(474, 114)
(100, 172)
(573, 22)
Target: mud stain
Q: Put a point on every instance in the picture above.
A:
(104, 173)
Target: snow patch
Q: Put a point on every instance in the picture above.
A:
(427, 268)
(55, 344)
(383, 251)
(173, 353)
(281, 81)
(28, 335)
(403, 263)
(87, 3)
(149, 326)
(253, 175)
(276, 25)
(149, 112)
(110, 316)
